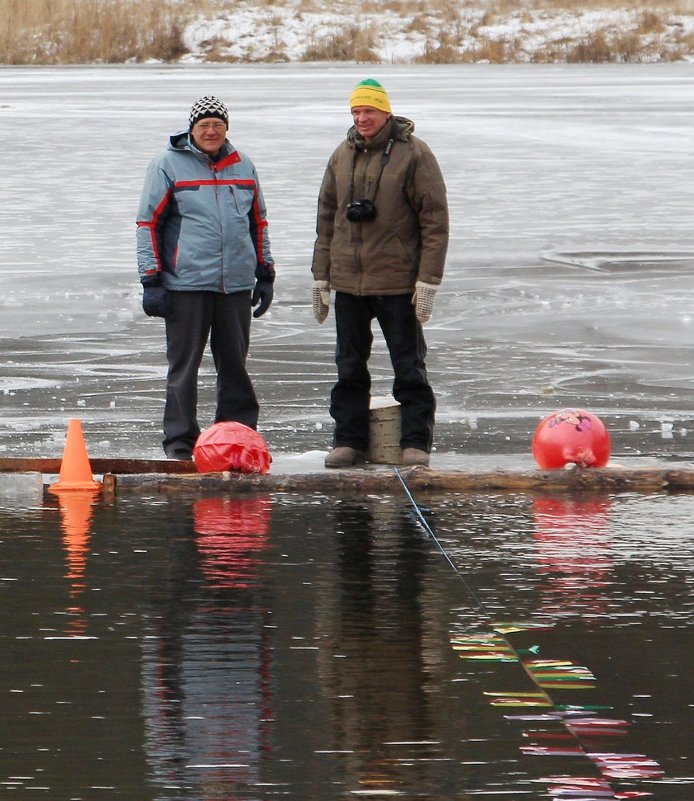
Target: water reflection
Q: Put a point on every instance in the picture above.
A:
(176, 649)
(229, 532)
(207, 656)
(76, 511)
(572, 547)
(375, 669)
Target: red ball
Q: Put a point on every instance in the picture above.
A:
(231, 446)
(571, 436)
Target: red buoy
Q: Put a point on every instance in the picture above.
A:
(571, 436)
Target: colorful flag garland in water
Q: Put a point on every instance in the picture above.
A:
(579, 723)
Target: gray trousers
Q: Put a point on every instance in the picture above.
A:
(225, 320)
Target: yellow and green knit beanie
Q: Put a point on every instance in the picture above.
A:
(370, 93)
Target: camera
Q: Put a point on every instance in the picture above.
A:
(361, 210)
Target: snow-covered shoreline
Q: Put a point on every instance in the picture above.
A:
(285, 31)
(388, 32)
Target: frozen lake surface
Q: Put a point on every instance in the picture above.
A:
(568, 281)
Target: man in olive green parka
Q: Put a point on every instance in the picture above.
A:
(382, 237)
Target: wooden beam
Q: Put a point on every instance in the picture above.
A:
(99, 466)
(169, 475)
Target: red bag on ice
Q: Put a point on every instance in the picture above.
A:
(231, 446)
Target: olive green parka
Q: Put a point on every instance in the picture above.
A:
(408, 239)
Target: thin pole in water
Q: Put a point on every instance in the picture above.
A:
(425, 525)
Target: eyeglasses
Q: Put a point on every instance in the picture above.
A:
(211, 126)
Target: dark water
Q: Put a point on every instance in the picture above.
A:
(306, 647)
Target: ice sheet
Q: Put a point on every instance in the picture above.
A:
(568, 281)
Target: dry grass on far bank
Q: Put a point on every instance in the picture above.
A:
(89, 31)
(448, 31)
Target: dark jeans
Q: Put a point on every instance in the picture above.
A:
(226, 321)
(349, 400)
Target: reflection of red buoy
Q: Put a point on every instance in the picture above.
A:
(572, 543)
(230, 533)
(571, 436)
(232, 516)
(231, 446)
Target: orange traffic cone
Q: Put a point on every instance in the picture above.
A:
(75, 470)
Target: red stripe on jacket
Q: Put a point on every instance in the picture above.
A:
(217, 182)
(260, 226)
(152, 225)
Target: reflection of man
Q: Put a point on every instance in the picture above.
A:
(373, 614)
(381, 245)
(207, 653)
(204, 260)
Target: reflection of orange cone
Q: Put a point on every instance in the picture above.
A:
(76, 513)
(75, 470)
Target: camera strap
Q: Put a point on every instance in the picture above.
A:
(384, 160)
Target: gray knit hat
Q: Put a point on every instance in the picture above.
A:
(208, 106)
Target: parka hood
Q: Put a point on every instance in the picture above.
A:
(179, 141)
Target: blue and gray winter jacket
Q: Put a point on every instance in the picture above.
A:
(202, 224)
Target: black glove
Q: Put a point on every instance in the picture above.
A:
(263, 291)
(155, 299)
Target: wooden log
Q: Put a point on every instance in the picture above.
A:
(340, 482)
(590, 480)
(143, 476)
(418, 479)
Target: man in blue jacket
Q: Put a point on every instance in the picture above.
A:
(204, 260)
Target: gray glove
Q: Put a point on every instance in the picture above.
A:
(321, 300)
(423, 300)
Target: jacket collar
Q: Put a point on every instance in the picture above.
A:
(404, 129)
(182, 140)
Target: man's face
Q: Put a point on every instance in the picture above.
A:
(209, 134)
(369, 121)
